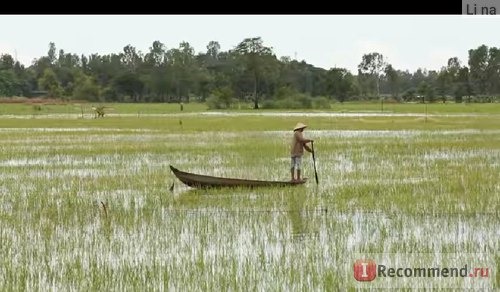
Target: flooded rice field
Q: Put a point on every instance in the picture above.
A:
(99, 209)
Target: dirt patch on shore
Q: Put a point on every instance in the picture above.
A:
(39, 100)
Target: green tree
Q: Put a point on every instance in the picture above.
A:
(213, 50)
(254, 56)
(427, 92)
(453, 68)
(128, 84)
(9, 80)
(493, 71)
(9, 83)
(225, 96)
(478, 64)
(418, 77)
(154, 73)
(291, 73)
(67, 60)
(205, 83)
(365, 83)
(409, 94)
(462, 84)
(48, 81)
(131, 58)
(460, 80)
(156, 55)
(6, 62)
(85, 62)
(339, 83)
(104, 69)
(392, 80)
(183, 71)
(86, 89)
(443, 84)
(51, 54)
(374, 65)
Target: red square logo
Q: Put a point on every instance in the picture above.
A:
(365, 270)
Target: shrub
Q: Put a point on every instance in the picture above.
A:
(221, 98)
(269, 104)
(321, 102)
(213, 102)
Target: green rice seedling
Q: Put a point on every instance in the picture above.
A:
(86, 204)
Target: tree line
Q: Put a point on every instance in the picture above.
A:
(250, 72)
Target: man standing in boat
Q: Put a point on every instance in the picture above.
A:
(297, 149)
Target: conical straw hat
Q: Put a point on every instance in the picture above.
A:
(299, 126)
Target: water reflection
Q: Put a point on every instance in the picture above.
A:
(295, 208)
(289, 203)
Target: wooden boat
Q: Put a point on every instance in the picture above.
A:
(205, 181)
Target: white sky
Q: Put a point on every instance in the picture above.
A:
(406, 41)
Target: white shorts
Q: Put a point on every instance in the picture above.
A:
(296, 162)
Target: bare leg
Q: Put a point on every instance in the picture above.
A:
(298, 174)
(292, 171)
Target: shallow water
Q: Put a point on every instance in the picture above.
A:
(80, 214)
